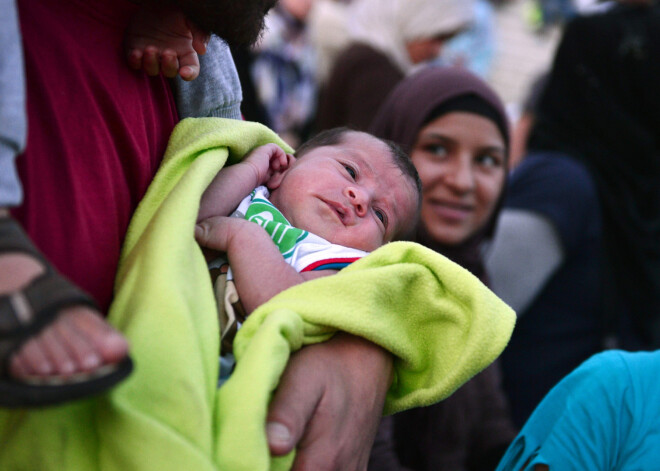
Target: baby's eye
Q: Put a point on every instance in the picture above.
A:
(350, 171)
(381, 216)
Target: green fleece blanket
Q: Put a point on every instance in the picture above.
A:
(440, 323)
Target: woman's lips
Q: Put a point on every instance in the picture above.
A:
(449, 211)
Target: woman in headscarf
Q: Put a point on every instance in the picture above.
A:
(584, 208)
(387, 39)
(456, 131)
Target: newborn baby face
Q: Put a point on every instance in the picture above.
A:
(351, 193)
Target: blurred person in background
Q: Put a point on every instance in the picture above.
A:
(474, 48)
(278, 73)
(456, 130)
(388, 39)
(577, 250)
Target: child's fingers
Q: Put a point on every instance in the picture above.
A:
(199, 39)
(169, 64)
(189, 64)
(135, 59)
(290, 159)
(212, 233)
(150, 62)
(283, 160)
(277, 157)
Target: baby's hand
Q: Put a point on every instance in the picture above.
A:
(161, 39)
(216, 232)
(268, 160)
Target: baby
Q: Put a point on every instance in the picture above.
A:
(344, 194)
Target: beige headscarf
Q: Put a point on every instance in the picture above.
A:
(387, 25)
(328, 32)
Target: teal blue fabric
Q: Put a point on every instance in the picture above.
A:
(604, 416)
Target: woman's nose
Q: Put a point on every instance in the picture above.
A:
(461, 177)
(359, 198)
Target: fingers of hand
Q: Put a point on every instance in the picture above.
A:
(200, 39)
(211, 233)
(278, 159)
(331, 399)
(189, 66)
(150, 61)
(290, 159)
(169, 63)
(135, 59)
(294, 404)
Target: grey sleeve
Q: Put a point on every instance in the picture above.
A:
(217, 90)
(525, 253)
(13, 118)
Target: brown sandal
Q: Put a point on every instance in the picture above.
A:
(24, 313)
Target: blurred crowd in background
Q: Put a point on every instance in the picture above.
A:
(509, 43)
(533, 125)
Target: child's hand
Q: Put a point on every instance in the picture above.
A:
(268, 160)
(218, 232)
(215, 232)
(161, 39)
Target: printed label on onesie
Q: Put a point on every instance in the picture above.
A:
(285, 236)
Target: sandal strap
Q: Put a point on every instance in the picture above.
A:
(14, 239)
(25, 312)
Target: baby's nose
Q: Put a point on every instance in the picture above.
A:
(359, 199)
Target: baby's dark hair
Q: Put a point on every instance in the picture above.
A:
(335, 136)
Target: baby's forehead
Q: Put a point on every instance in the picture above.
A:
(380, 159)
(373, 151)
(361, 139)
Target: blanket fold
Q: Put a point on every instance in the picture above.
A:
(440, 323)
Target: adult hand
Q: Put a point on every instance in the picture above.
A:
(329, 404)
(160, 39)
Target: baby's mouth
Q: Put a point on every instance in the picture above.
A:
(339, 210)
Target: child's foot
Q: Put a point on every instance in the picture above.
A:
(77, 341)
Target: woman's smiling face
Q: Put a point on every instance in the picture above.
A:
(461, 159)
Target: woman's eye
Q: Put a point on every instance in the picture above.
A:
(436, 149)
(489, 160)
(350, 171)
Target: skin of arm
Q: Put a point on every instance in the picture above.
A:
(260, 271)
(235, 182)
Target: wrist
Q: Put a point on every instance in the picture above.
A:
(257, 174)
(218, 232)
(372, 357)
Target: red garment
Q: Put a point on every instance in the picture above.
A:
(96, 134)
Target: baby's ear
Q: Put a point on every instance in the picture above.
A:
(276, 178)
